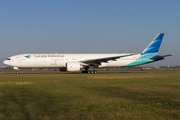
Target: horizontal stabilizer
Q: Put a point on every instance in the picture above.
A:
(157, 57)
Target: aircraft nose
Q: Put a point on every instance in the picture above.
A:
(5, 62)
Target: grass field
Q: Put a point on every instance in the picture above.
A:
(107, 95)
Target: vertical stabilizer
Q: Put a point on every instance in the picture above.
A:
(153, 48)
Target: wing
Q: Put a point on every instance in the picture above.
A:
(97, 62)
(157, 57)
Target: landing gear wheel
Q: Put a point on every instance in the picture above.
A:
(95, 71)
(89, 71)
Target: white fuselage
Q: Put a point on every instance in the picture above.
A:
(60, 60)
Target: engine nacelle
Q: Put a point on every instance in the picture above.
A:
(73, 66)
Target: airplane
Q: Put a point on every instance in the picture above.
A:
(87, 63)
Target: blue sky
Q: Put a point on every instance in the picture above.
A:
(94, 26)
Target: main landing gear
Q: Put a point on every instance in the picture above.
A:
(89, 71)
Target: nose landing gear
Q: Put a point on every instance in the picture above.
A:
(16, 68)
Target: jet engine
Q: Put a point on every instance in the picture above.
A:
(73, 66)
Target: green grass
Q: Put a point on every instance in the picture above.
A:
(108, 95)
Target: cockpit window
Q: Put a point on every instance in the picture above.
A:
(8, 59)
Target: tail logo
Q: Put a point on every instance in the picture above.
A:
(154, 46)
